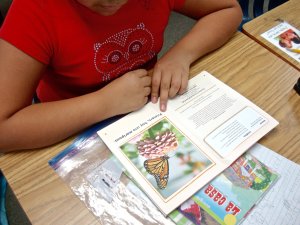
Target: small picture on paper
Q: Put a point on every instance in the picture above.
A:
(166, 157)
(286, 38)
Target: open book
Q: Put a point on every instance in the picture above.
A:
(173, 154)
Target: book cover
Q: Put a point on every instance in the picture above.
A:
(191, 213)
(229, 197)
(171, 155)
(237, 190)
(286, 38)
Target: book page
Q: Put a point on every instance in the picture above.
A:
(286, 38)
(236, 130)
(172, 154)
(221, 117)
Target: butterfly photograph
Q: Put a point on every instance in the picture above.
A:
(165, 157)
(159, 168)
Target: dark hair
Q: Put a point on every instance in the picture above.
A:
(282, 44)
(296, 39)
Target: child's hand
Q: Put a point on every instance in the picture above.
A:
(128, 92)
(170, 77)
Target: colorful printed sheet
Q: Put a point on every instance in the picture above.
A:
(230, 196)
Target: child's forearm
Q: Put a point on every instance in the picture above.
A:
(208, 34)
(219, 20)
(43, 124)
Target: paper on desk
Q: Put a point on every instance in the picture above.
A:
(281, 205)
(286, 38)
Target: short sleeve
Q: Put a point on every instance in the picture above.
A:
(176, 4)
(27, 27)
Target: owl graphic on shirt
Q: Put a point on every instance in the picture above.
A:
(123, 52)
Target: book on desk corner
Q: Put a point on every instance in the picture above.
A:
(286, 38)
(173, 154)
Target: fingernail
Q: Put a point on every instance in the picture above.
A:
(154, 99)
(163, 107)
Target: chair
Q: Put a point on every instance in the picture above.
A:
(255, 8)
(3, 184)
(1, 19)
(4, 6)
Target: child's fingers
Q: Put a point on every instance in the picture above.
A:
(184, 84)
(141, 72)
(156, 78)
(164, 91)
(175, 85)
(146, 81)
(147, 91)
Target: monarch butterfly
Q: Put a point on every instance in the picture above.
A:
(159, 168)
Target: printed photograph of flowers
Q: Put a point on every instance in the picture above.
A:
(166, 157)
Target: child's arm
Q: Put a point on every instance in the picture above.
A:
(219, 19)
(26, 126)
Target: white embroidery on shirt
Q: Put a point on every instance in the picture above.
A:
(123, 51)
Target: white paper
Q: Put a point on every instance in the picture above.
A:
(234, 131)
(286, 38)
(281, 205)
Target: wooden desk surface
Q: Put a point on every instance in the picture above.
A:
(289, 12)
(242, 63)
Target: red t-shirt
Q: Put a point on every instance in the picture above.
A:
(83, 50)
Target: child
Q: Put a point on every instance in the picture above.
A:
(87, 60)
(286, 39)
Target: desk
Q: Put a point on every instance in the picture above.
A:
(242, 64)
(288, 12)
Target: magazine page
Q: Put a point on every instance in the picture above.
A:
(171, 155)
(286, 38)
